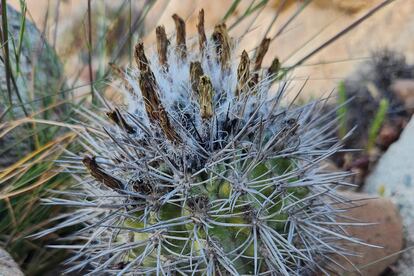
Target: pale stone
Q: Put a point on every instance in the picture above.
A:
(8, 267)
(386, 231)
(404, 89)
(39, 83)
(394, 177)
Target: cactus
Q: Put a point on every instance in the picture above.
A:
(206, 170)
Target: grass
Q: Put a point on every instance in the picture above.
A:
(377, 123)
(50, 130)
(342, 110)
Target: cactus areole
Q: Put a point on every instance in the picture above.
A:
(207, 170)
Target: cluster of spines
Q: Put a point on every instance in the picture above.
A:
(199, 206)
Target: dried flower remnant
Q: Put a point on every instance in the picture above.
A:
(243, 73)
(162, 46)
(221, 40)
(205, 89)
(180, 36)
(202, 38)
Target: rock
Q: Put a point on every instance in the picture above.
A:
(40, 72)
(394, 177)
(386, 232)
(38, 80)
(8, 267)
(404, 89)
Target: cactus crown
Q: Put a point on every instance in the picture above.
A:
(205, 171)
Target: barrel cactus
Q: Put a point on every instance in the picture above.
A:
(207, 170)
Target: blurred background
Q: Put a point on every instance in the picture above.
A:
(64, 23)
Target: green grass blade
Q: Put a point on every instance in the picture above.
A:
(342, 111)
(377, 123)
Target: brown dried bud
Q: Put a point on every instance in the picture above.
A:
(155, 110)
(274, 67)
(140, 58)
(243, 73)
(180, 36)
(253, 81)
(205, 88)
(222, 41)
(260, 53)
(149, 93)
(100, 175)
(196, 71)
(202, 39)
(149, 90)
(162, 46)
(119, 120)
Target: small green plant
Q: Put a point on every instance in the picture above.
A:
(376, 123)
(342, 110)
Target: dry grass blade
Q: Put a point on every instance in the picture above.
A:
(43, 179)
(8, 170)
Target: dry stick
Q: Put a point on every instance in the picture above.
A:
(343, 32)
(196, 71)
(222, 41)
(149, 90)
(162, 46)
(202, 39)
(180, 36)
(243, 73)
(260, 53)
